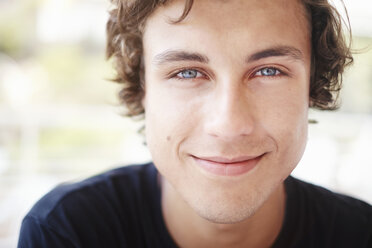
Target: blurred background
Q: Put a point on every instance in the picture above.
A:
(60, 119)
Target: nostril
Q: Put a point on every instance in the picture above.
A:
(230, 113)
(228, 127)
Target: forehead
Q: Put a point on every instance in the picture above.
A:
(226, 24)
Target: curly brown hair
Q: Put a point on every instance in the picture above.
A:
(330, 51)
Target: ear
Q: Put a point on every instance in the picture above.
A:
(143, 86)
(311, 103)
(143, 101)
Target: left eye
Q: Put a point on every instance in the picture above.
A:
(189, 73)
(268, 71)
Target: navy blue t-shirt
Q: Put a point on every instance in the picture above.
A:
(122, 208)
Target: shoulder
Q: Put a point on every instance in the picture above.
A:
(99, 187)
(329, 217)
(76, 211)
(325, 198)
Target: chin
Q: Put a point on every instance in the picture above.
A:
(228, 217)
(226, 211)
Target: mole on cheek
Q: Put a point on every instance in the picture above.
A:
(168, 138)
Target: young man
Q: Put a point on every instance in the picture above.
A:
(225, 88)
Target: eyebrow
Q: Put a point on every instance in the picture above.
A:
(179, 55)
(278, 51)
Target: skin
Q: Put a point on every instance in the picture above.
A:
(224, 103)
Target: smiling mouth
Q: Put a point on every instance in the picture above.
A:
(228, 167)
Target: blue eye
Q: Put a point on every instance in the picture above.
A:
(268, 71)
(189, 73)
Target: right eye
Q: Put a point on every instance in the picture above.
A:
(189, 74)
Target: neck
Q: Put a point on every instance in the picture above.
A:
(190, 230)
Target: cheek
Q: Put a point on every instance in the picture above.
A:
(168, 121)
(284, 106)
(284, 116)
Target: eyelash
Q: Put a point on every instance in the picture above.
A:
(278, 73)
(198, 71)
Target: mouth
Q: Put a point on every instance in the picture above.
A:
(228, 166)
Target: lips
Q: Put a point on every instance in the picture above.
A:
(228, 166)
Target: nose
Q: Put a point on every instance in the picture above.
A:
(231, 113)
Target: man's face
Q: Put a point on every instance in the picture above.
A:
(226, 100)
